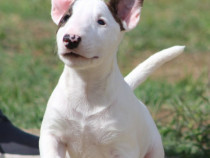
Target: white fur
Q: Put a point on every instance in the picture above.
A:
(93, 113)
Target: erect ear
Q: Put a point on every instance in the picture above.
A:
(128, 11)
(59, 8)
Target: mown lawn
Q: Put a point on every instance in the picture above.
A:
(178, 95)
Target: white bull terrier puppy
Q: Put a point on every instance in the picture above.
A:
(93, 112)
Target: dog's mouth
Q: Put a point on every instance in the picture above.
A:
(76, 55)
(72, 54)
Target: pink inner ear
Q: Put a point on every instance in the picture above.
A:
(59, 7)
(132, 19)
(129, 12)
(124, 8)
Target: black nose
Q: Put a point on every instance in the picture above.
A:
(71, 41)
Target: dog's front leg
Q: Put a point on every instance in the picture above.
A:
(51, 147)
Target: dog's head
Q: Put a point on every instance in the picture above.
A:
(89, 31)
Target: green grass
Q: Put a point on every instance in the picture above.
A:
(184, 126)
(166, 23)
(29, 68)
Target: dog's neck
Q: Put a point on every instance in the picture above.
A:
(95, 86)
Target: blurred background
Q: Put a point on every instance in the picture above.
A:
(178, 94)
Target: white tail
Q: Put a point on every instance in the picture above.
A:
(143, 70)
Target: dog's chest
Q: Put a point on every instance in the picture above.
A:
(89, 135)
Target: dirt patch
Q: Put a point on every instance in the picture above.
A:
(33, 131)
(194, 64)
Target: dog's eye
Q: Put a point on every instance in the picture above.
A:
(101, 22)
(63, 20)
(66, 17)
